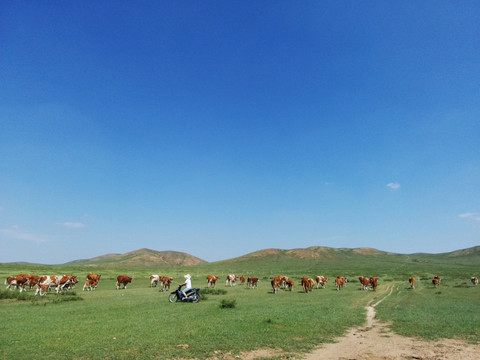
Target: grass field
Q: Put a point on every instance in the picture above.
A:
(140, 323)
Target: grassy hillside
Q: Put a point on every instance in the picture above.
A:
(127, 324)
(142, 257)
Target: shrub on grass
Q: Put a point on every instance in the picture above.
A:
(210, 291)
(228, 303)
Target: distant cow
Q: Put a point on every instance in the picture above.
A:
(94, 277)
(474, 281)
(60, 282)
(252, 282)
(123, 279)
(231, 280)
(321, 281)
(90, 284)
(33, 280)
(289, 284)
(211, 280)
(154, 279)
(166, 282)
(436, 281)
(242, 279)
(275, 284)
(339, 282)
(307, 284)
(412, 282)
(11, 281)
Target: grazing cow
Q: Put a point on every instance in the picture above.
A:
(284, 282)
(211, 280)
(307, 284)
(412, 282)
(373, 282)
(275, 284)
(231, 280)
(154, 279)
(436, 280)
(340, 282)
(289, 284)
(345, 280)
(242, 279)
(321, 281)
(90, 284)
(365, 282)
(252, 282)
(474, 281)
(66, 282)
(123, 279)
(166, 282)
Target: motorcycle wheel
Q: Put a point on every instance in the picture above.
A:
(172, 298)
(195, 298)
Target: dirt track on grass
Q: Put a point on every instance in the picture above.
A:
(376, 341)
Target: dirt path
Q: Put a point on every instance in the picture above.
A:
(376, 341)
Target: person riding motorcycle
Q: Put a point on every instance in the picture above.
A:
(187, 284)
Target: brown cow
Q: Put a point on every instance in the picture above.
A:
(289, 284)
(474, 281)
(366, 283)
(11, 281)
(33, 280)
(123, 279)
(242, 279)
(211, 280)
(94, 277)
(90, 284)
(436, 280)
(339, 282)
(412, 282)
(275, 284)
(307, 284)
(252, 282)
(166, 282)
(374, 282)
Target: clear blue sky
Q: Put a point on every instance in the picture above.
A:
(224, 127)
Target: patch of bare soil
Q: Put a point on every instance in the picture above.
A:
(376, 341)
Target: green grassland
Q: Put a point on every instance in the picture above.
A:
(140, 323)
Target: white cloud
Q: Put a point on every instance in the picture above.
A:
(16, 234)
(472, 216)
(393, 185)
(74, 225)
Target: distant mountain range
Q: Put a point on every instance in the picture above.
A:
(148, 257)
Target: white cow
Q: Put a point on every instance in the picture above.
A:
(154, 279)
(231, 280)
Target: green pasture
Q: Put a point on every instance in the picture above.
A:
(140, 323)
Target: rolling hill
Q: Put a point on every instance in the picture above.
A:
(142, 257)
(314, 255)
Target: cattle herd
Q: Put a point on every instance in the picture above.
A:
(42, 284)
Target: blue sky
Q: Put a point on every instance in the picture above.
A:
(221, 128)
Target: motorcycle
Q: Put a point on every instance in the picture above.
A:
(193, 295)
